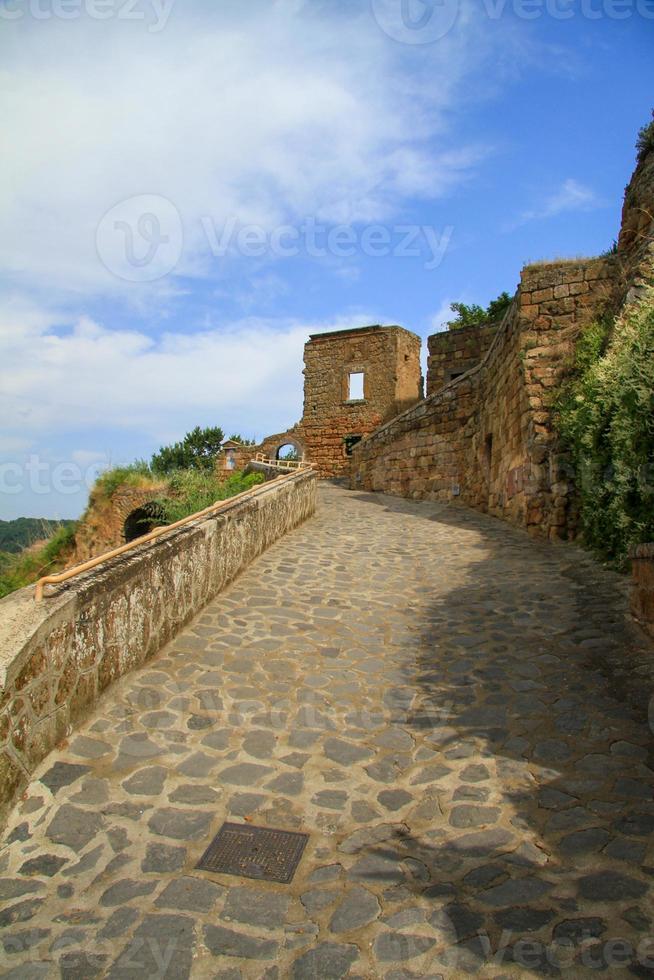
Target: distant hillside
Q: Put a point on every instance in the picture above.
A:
(24, 531)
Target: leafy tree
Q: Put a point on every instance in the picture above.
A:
(245, 442)
(645, 141)
(477, 316)
(196, 451)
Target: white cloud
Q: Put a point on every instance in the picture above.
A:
(570, 196)
(267, 112)
(81, 377)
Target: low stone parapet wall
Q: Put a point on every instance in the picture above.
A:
(58, 656)
(642, 596)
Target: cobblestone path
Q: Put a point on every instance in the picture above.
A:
(416, 687)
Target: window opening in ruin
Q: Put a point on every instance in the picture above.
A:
(350, 442)
(456, 374)
(288, 451)
(355, 387)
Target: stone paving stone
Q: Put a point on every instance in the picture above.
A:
(190, 894)
(74, 828)
(414, 686)
(62, 774)
(332, 960)
(359, 908)
(226, 942)
(146, 782)
(46, 865)
(160, 939)
(256, 907)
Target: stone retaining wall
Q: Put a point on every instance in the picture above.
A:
(642, 596)
(58, 656)
(453, 352)
(486, 438)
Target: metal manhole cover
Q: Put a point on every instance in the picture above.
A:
(254, 852)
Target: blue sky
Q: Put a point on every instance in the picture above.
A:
(166, 167)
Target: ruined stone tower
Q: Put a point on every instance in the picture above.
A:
(354, 381)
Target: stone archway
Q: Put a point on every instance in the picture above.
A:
(289, 449)
(273, 445)
(142, 520)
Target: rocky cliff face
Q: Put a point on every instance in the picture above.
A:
(636, 241)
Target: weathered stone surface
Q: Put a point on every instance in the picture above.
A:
(226, 942)
(473, 816)
(62, 774)
(190, 894)
(163, 858)
(15, 888)
(146, 782)
(167, 938)
(179, 824)
(46, 865)
(348, 576)
(73, 827)
(358, 909)
(515, 892)
(328, 960)
(394, 799)
(244, 774)
(124, 891)
(395, 947)
(344, 752)
(108, 622)
(610, 886)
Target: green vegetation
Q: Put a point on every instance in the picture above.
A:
(645, 141)
(189, 491)
(477, 316)
(196, 451)
(135, 474)
(245, 442)
(25, 531)
(289, 454)
(605, 416)
(17, 571)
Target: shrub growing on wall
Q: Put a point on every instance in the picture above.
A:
(605, 416)
(478, 316)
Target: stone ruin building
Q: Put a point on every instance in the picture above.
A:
(354, 381)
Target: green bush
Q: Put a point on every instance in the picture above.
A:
(477, 316)
(645, 141)
(196, 451)
(192, 490)
(605, 416)
(131, 475)
(17, 571)
(239, 438)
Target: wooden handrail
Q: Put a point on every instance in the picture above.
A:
(151, 536)
(288, 464)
